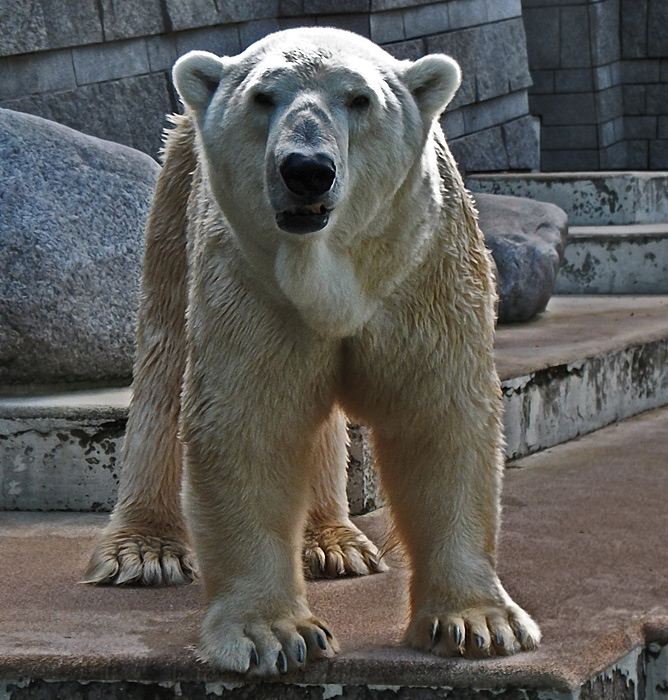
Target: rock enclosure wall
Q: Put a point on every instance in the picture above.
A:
(102, 66)
(600, 82)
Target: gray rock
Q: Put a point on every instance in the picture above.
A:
(72, 213)
(527, 241)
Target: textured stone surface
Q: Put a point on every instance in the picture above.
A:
(36, 25)
(522, 139)
(484, 151)
(615, 260)
(634, 28)
(203, 13)
(511, 145)
(589, 198)
(72, 211)
(582, 56)
(364, 490)
(23, 75)
(62, 463)
(127, 19)
(527, 241)
(136, 119)
(103, 62)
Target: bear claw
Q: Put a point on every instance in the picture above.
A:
(131, 558)
(282, 662)
(254, 658)
(340, 550)
(262, 648)
(475, 633)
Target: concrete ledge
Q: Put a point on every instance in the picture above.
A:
(582, 548)
(630, 678)
(592, 360)
(585, 363)
(615, 260)
(589, 198)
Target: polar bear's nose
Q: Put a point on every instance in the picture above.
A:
(308, 176)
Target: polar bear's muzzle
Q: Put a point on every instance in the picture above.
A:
(308, 178)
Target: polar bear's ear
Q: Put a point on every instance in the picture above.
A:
(196, 77)
(433, 80)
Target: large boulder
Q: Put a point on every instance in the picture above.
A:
(72, 214)
(527, 241)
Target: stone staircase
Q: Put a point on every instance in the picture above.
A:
(585, 519)
(618, 227)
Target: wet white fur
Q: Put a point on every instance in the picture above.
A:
(386, 313)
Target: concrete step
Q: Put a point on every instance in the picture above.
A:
(585, 363)
(582, 548)
(589, 198)
(629, 259)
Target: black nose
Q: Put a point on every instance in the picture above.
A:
(308, 176)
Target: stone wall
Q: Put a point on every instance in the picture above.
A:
(102, 66)
(644, 37)
(600, 74)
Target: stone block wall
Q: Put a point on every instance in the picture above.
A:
(644, 39)
(102, 66)
(600, 82)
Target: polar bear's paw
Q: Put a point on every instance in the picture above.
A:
(478, 632)
(126, 557)
(263, 648)
(340, 550)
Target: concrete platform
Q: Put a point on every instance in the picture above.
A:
(589, 198)
(583, 548)
(631, 259)
(585, 363)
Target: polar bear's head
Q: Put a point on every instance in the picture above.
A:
(311, 130)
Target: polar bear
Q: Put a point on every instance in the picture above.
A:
(311, 252)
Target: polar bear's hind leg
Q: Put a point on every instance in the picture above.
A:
(333, 545)
(146, 540)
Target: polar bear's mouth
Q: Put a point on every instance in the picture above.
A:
(304, 219)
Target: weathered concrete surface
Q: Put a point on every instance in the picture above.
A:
(593, 360)
(636, 676)
(364, 489)
(615, 260)
(527, 240)
(61, 461)
(586, 362)
(574, 327)
(582, 548)
(589, 198)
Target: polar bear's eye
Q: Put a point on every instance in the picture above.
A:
(359, 102)
(263, 100)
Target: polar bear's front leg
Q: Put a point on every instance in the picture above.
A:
(443, 480)
(146, 541)
(252, 404)
(333, 545)
(246, 496)
(435, 417)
